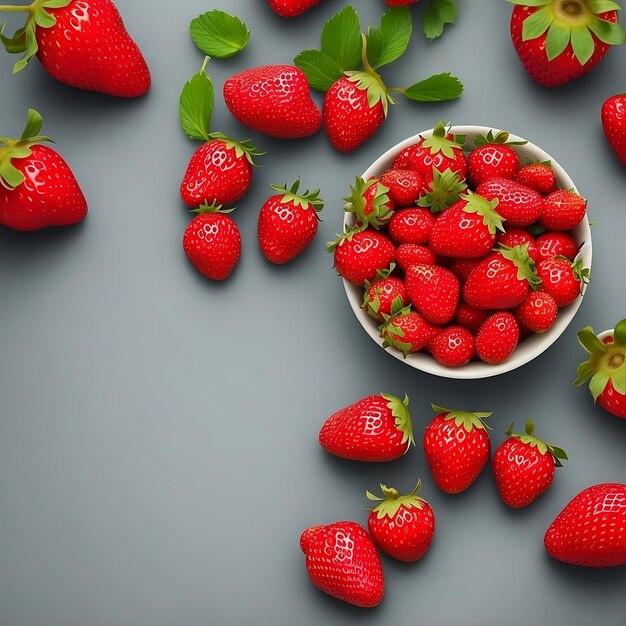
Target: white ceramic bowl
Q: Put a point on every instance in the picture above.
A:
(532, 346)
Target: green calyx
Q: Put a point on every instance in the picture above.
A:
(10, 176)
(606, 362)
(439, 141)
(391, 501)
(211, 208)
(574, 22)
(466, 419)
(526, 269)
(371, 297)
(485, 208)
(499, 138)
(305, 200)
(241, 148)
(391, 333)
(375, 212)
(347, 235)
(529, 438)
(402, 417)
(444, 190)
(583, 274)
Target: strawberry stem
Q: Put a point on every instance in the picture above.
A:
(17, 9)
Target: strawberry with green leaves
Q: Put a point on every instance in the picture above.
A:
(605, 369)
(371, 203)
(442, 191)
(493, 156)
(384, 294)
(406, 330)
(613, 116)
(563, 279)
(497, 338)
(517, 236)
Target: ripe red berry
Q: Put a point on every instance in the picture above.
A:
(562, 210)
(497, 338)
(453, 346)
(537, 176)
(537, 312)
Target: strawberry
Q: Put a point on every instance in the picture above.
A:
(82, 43)
(401, 526)
(370, 202)
(470, 317)
(502, 280)
(589, 531)
(384, 294)
(523, 466)
(492, 157)
(407, 331)
(37, 187)
(462, 268)
(408, 254)
(497, 338)
(442, 191)
(562, 279)
(212, 242)
(457, 448)
(613, 115)
(537, 312)
(517, 204)
(359, 254)
(562, 210)
(559, 41)
(405, 186)
(376, 428)
(517, 236)
(291, 8)
(342, 561)
(274, 100)
(537, 176)
(605, 368)
(551, 244)
(434, 291)
(411, 225)
(288, 222)
(453, 346)
(467, 229)
(219, 171)
(399, 3)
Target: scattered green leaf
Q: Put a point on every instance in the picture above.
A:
(219, 34)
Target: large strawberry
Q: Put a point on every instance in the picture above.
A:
(606, 368)
(342, 561)
(559, 41)
(523, 466)
(551, 244)
(589, 531)
(288, 222)
(493, 156)
(406, 330)
(613, 115)
(434, 291)
(517, 204)
(291, 8)
(457, 448)
(275, 100)
(82, 43)
(370, 202)
(37, 187)
(401, 526)
(376, 428)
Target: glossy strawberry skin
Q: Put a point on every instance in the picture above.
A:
(89, 48)
(559, 280)
(492, 160)
(453, 346)
(613, 115)
(291, 8)
(497, 338)
(274, 100)
(405, 186)
(49, 195)
(537, 176)
(380, 295)
(408, 332)
(434, 291)
(517, 236)
(562, 210)
(518, 205)
(589, 531)
(408, 254)
(537, 312)
(551, 244)
(411, 225)
(342, 561)
(420, 158)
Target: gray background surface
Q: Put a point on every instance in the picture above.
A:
(158, 432)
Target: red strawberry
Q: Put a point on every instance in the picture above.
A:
(384, 294)
(409, 254)
(291, 8)
(442, 191)
(537, 176)
(613, 115)
(274, 100)
(405, 186)
(605, 369)
(551, 244)
(376, 428)
(562, 210)
(83, 43)
(370, 202)
(517, 204)
(399, 3)
(212, 242)
(566, 39)
(523, 466)
(467, 229)
(37, 187)
(562, 279)
(502, 280)
(453, 346)
(434, 291)
(470, 317)
(359, 254)
(407, 331)
(497, 338)
(537, 312)
(516, 236)
(342, 561)
(492, 156)
(462, 268)
(457, 448)
(411, 225)
(219, 171)
(589, 531)
(288, 222)
(401, 526)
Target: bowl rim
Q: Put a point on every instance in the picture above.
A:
(532, 346)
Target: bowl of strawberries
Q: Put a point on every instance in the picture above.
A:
(466, 251)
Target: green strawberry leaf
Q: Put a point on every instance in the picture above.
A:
(603, 6)
(56, 4)
(556, 40)
(435, 88)
(537, 23)
(15, 44)
(43, 18)
(619, 334)
(608, 32)
(10, 176)
(374, 45)
(395, 33)
(320, 70)
(34, 124)
(530, 3)
(582, 44)
(597, 384)
(590, 342)
(195, 105)
(219, 34)
(437, 14)
(341, 39)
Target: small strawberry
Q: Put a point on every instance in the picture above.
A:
(359, 254)
(537, 176)
(401, 526)
(342, 561)
(288, 222)
(212, 242)
(370, 202)
(517, 236)
(384, 294)
(219, 171)
(407, 331)
(408, 254)
(467, 229)
(291, 8)
(274, 100)
(462, 268)
(434, 291)
(376, 428)
(442, 191)
(411, 225)
(589, 531)
(470, 317)
(493, 156)
(405, 186)
(559, 41)
(37, 187)
(523, 466)
(457, 448)
(497, 338)
(517, 204)
(562, 279)
(605, 369)
(613, 115)
(399, 3)
(562, 210)
(537, 312)
(453, 346)
(551, 244)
